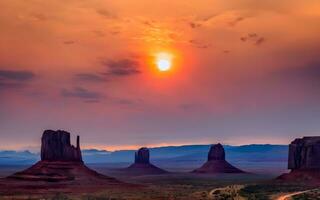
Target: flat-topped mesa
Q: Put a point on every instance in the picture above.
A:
(216, 152)
(56, 146)
(303, 161)
(304, 153)
(142, 156)
(216, 162)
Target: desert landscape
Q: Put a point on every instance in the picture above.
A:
(62, 174)
(159, 100)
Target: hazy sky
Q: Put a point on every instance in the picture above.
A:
(243, 71)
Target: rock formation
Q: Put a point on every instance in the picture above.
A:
(56, 146)
(61, 161)
(216, 162)
(304, 160)
(304, 153)
(216, 153)
(142, 165)
(142, 156)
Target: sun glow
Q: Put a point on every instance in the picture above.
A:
(163, 61)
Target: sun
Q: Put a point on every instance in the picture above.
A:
(163, 65)
(163, 62)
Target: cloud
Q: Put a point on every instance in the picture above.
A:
(16, 75)
(150, 23)
(122, 67)
(198, 22)
(253, 38)
(82, 93)
(243, 39)
(195, 24)
(15, 79)
(260, 40)
(199, 44)
(107, 14)
(90, 77)
(114, 68)
(236, 21)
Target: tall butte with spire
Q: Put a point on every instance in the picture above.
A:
(62, 163)
(56, 146)
(216, 162)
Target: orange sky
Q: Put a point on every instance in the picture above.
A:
(240, 70)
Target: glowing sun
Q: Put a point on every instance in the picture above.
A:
(163, 62)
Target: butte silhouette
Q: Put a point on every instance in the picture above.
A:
(142, 165)
(61, 168)
(216, 162)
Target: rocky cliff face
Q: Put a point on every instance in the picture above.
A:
(304, 153)
(142, 156)
(56, 146)
(216, 152)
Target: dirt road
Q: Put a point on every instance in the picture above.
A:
(288, 196)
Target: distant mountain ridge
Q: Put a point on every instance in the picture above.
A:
(17, 157)
(196, 153)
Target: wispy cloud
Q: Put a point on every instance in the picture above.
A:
(16, 75)
(106, 14)
(122, 67)
(82, 93)
(235, 21)
(90, 77)
(199, 22)
(260, 40)
(253, 38)
(195, 24)
(14, 78)
(199, 44)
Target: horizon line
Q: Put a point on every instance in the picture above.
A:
(136, 147)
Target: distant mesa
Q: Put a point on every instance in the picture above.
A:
(61, 161)
(303, 160)
(216, 162)
(142, 165)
